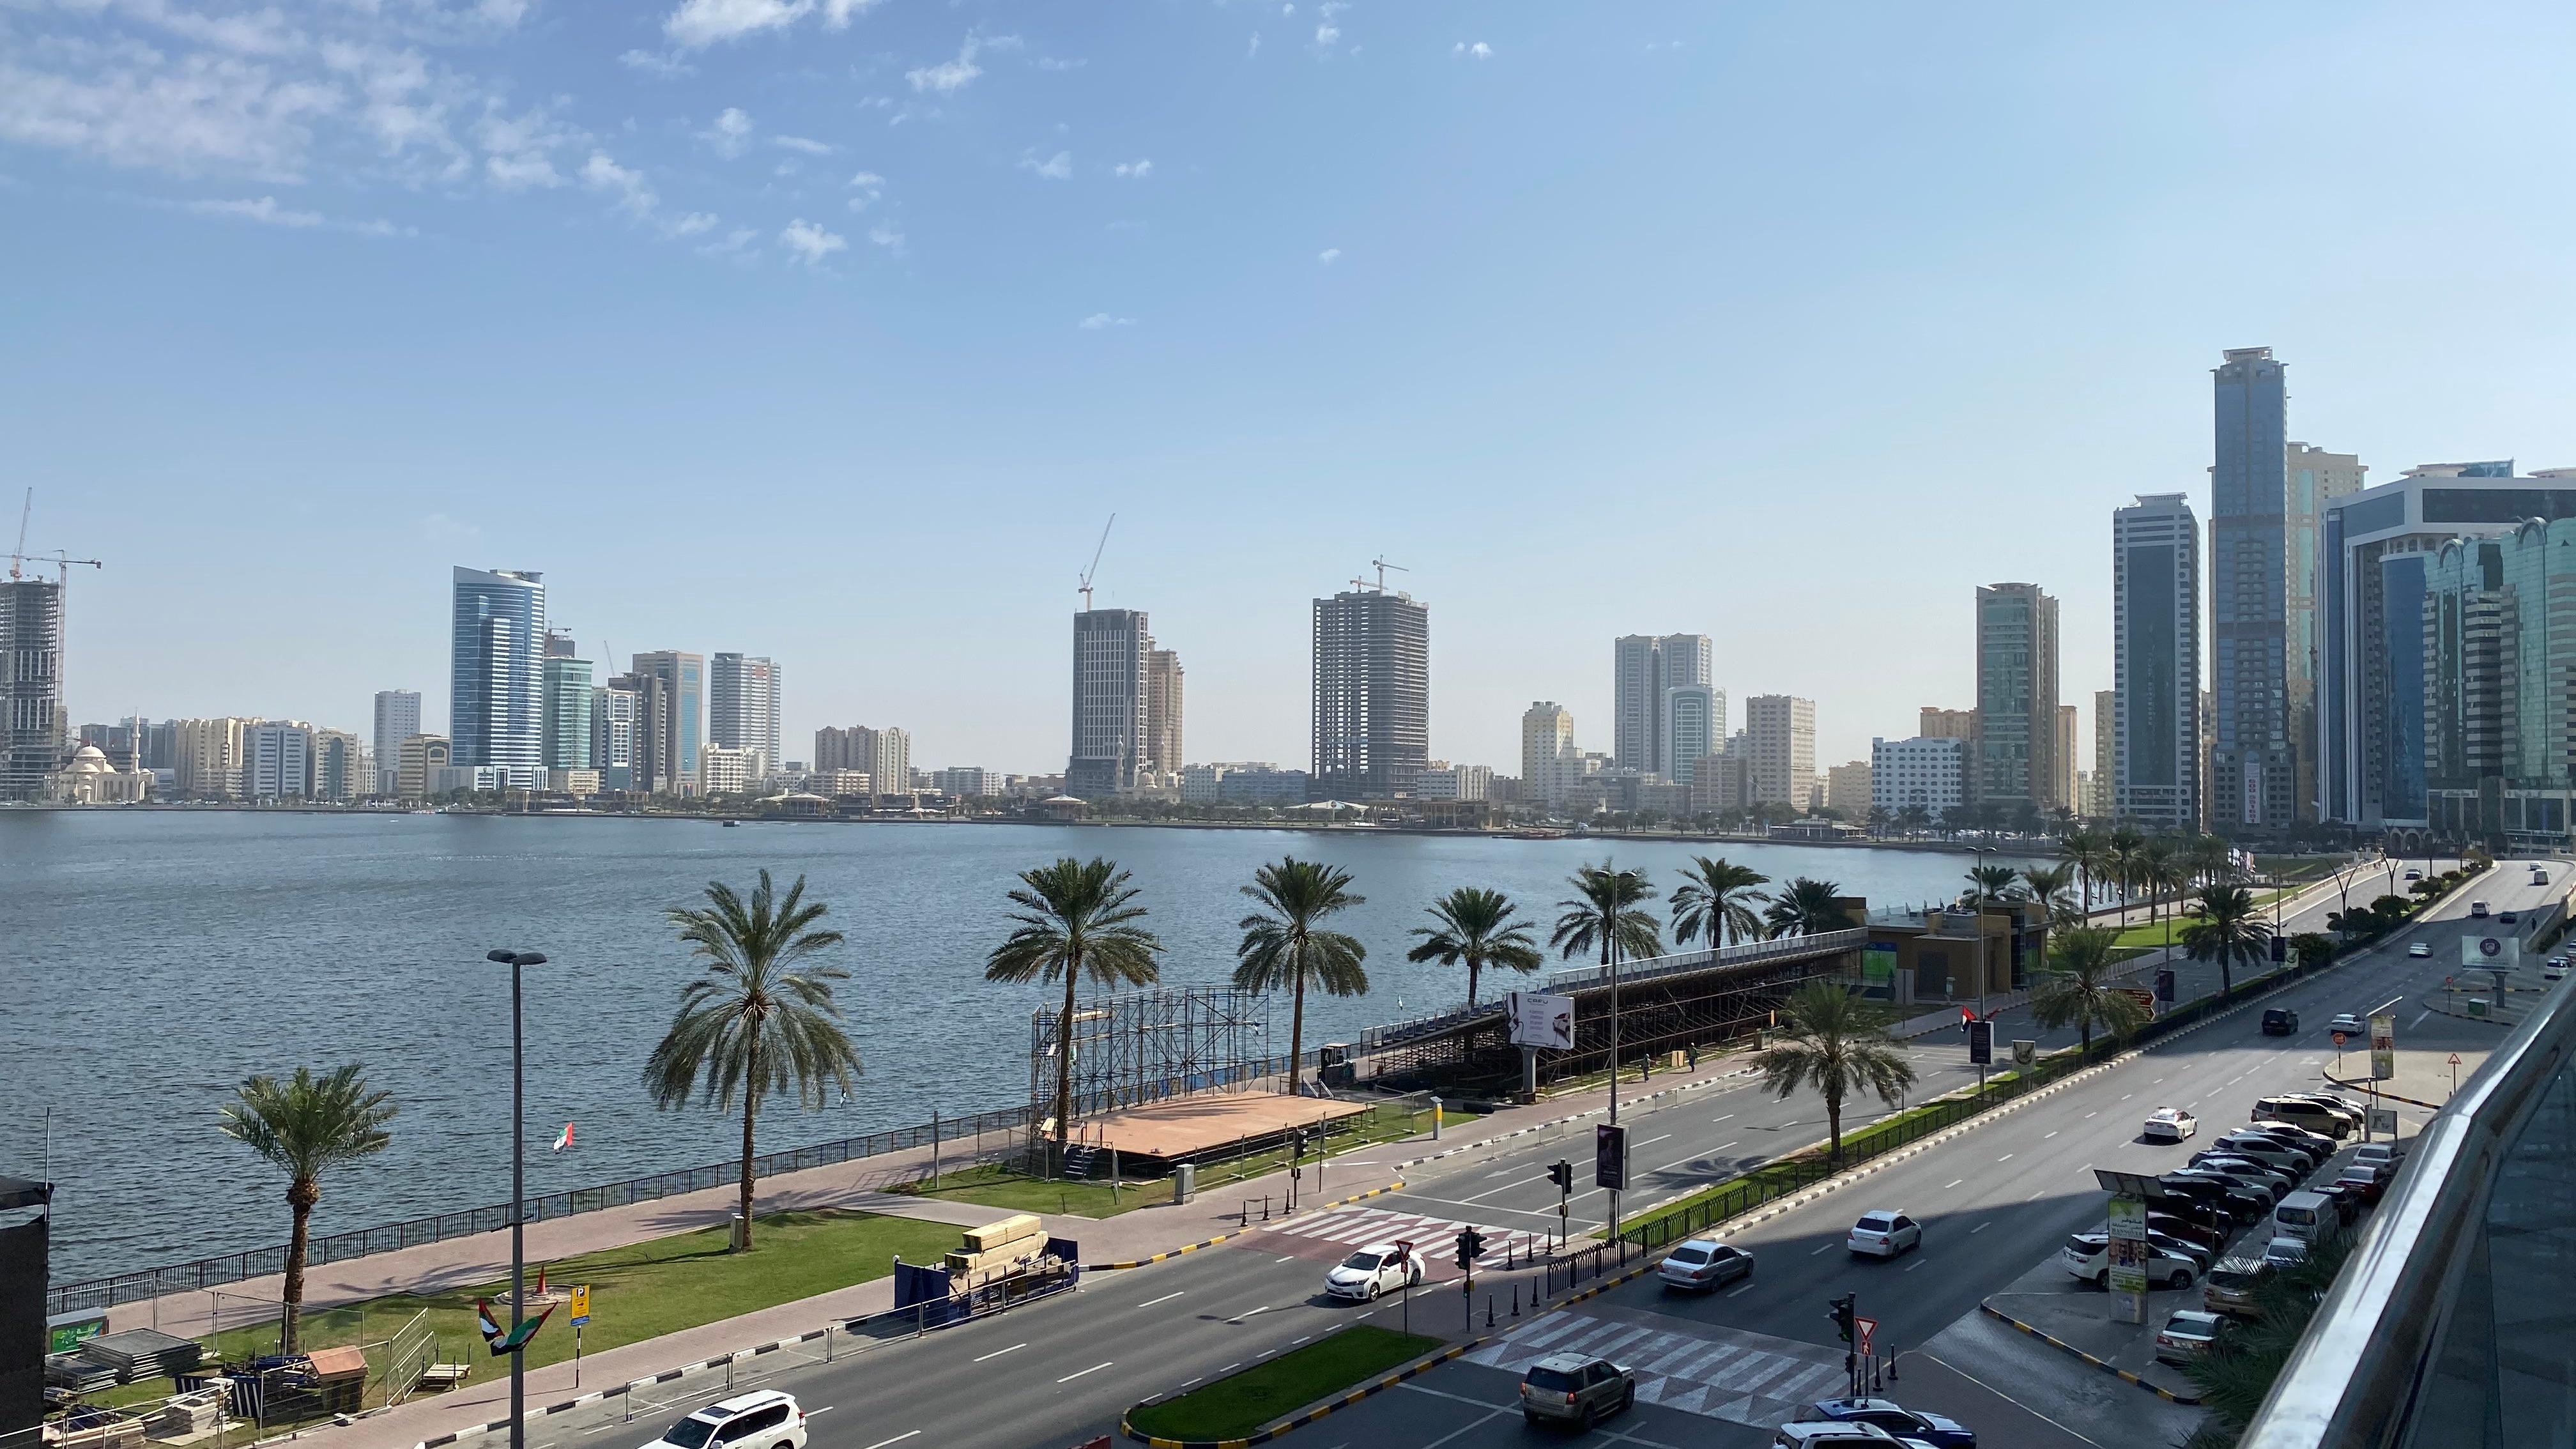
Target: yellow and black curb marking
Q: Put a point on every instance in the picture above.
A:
(2165, 1394)
(1239, 1232)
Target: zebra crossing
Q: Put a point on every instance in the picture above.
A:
(1723, 1373)
(1432, 1237)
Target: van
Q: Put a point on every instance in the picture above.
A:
(2305, 1215)
(2477, 908)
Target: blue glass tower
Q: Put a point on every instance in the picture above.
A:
(2253, 783)
(496, 674)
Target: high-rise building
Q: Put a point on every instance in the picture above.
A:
(1781, 734)
(1926, 773)
(34, 731)
(2067, 754)
(209, 756)
(277, 760)
(683, 709)
(496, 674)
(1547, 746)
(397, 719)
(655, 750)
(1947, 724)
(614, 714)
(724, 770)
(342, 768)
(1163, 681)
(1847, 790)
(1109, 649)
(2104, 802)
(566, 730)
(2316, 478)
(2016, 697)
(1643, 667)
(561, 645)
(2155, 668)
(1692, 726)
(417, 766)
(742, 705)
(2254, 775)
(1372, 694)
(884, 756)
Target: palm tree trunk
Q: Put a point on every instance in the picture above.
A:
(1296, 1032)
(2084, 1029)
(1834, 1131)
(750, 1117)
(299, 1199)
(1064, 1059)
(1471, 985)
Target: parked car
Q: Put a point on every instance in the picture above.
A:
(2190, 1228)
(2299, 1112)
(2286, 1252)
(1883, 1234)
(1575, 1388)
(2346, 1200)
(2187, 1335)
(2310, 1149)
(2088, 1256)
(766, 1419)
(1803, 1434)
(2226, 1194)
(2278, 1156)
(2307, 1215)
(1705, 1263)
(2383, 1154)
(2316, 1142)
(2369, 1181)
(2169, 1124)
(2280, 1021)
(1376, 1269)
(1895, 1418)
(2419, 950)
(2273, 1182)
(2348, 1024)
(2230, 1286)
(2200, 1254)
(2350, 1110)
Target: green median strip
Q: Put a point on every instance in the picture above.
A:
(1234, 1406)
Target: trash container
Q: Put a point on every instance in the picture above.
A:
(1185, 1182)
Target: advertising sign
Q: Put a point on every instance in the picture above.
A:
(2383, 1046)
(2128, 1253)
(2491, 953)
(2384, 1119)
(1610, 1157)
(1541, 1020)
(1981, 1042)
(1878, 968)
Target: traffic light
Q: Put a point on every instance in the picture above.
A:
(1471, 1244)
(1981, 1042)
(1562, 1174)
(1610, 1157)
(1296, 1142)
(1845, 1309)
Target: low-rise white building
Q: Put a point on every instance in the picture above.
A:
(1454, 782)
(1923, 771)
(723, 770)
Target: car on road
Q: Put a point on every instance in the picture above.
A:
(2226, 1194)
(1373, 1270)
(2088, 1256)
(1895, 1418)
(2300, 1112)
(2280, 1021)
(1883, 1234)
(2419, 950)
(2169, 1124)
(2269, 1180)
(2477, 908)
(2230, 1286)
(2187, 1335)
(2348, 1024)
(2414, 875)
(766, 1419)
(1575, 1388)
(1705, 1263)
(2286, 1251)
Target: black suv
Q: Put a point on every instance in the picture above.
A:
(2280, 1021)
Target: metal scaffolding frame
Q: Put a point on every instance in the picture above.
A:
(1136, 1047)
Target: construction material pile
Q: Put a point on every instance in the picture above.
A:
(1016, 1244)
(142, 1353)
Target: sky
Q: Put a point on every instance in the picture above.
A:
(836, 331)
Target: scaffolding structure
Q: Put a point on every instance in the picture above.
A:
(1145, 1046)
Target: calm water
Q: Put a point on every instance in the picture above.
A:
(150, 962)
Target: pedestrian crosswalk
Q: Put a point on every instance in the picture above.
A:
(1724, 1373)
(1433, 1237)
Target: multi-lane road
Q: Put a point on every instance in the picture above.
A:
(1995, 1202)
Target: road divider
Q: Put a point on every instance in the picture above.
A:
(2168, 1395)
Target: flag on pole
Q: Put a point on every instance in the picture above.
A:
(564, 1139)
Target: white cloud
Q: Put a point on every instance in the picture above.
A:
(800, 143)
(809, 243)
(884, 234)
(700, 23)
(736, 246)
(869, 187)
(1327, 33)
(634, 197)
(1053, 62)
(837, 13)
(730, 133)
(1329, 255)
(133, 105)
(1288, 9)
(1100, 321)
(265, 211)
(1477, 50)
(695, 223)
(949, 75)
(519, 150)
(1255, 48)
(1136, 170)
(1058, 167)
(660, 67)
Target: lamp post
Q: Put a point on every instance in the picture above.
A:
(515, 960)
(1981, 852)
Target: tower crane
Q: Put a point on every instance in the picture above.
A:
(20, 551)
(19, 558)
(1381, 565)
(1085, 585)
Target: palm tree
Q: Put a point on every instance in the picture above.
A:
(2087, 851)
(1807, 908)
(1285, 943)
(1991, 881)
(1603, 913)
(1475, 929)
(303, 1125)
(2078, 987)
(756, 1023)
(1836, 1042)
(1077, 920)
(1716, 899)
(2230, 931)
(2123, 855)
(2047, 885)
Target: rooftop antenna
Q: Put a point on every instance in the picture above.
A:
(1085, 585)
(20, 552)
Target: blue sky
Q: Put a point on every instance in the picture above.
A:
(835, 331)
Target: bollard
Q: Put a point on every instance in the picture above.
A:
(1489, 1310)
(827, 1341)
(1516, 1300)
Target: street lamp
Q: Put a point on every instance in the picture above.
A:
(1979, 876)
(518, 1198)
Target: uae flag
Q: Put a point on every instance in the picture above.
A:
(564, 1139)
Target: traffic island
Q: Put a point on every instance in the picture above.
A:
(1235, 1409)
(2077, 1320)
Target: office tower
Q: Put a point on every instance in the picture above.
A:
(1547, 743)
(566, 730)
(1947, 724)
(342, 768)
(2016, 697)
(884, 756)
(496, 674)
(1163, 687)
(1690, 725)
(417, 765)
(277, 760)
(1109, 649)
(1643, 666)
(397, 719)
(1372, 699)
(2316, 478)
(2155, 662)
(560, 645)
(742, 705)
(890, 759)
(615, 712)
(655, 760)
(1927, 773)
(683, 705)
(1781, 734)
(2064, 797)
(34, 732)
(2254, 779)
(2104, 802)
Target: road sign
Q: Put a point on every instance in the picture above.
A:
(2025, 1051)
(2340, 1037)
(2384, 1119)
(1865, 1327)
(2143, 997)
(580, 1305)
(2383, 1046)
(2455, 1059)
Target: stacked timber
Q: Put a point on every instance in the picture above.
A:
(996, 1251)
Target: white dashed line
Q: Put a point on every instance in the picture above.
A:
(897, 1439)
(1954, 1182)
(1095, 1368)
(1166, 1298)
(997, 1353)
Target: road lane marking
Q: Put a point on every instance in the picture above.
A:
(1186, 1385)
(1740, 1292)
(1166, 1298)
(1954, 1182)
(1364, 1315)
(1713, 1121)
(1917, 1263)
(1264, 1308)
(1651, 1141)
(1981, 1227)
(897, 1439)
(1285, 1258)
(1826, 1248)
(2007, 1157)
(2044, 1139)
(997, 1353)
(1292, 1343)
(1721, 1147)
(2419, 1018)
(1069, 1378)
(2094, 1113)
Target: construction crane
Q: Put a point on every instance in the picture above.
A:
(19, 558)
(1085, 585)
(1381, 565)
(20, 551)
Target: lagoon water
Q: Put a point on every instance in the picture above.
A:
(150, 961)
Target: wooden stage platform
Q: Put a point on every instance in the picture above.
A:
(1188, 1126)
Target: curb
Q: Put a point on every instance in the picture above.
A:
(1238, 1232)
(1554, 1122)
(2168, 1395)
(499, 1426)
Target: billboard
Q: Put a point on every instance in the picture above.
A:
(2383, 1047)
(1541, 1020)
(1878, 968)
(2128, 1251)
(2491, 953)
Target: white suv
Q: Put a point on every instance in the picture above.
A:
(2088, 1256)
(764, 1420)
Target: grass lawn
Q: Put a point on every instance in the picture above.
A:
(1239, 1403)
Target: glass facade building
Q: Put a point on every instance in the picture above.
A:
(2155, 639)
(496, 674)
(567, 714)
(1372, 700)
(2254, 775)
(2017, 723)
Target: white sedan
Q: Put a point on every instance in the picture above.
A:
(1883, 1234)
(1374, 1270)
(2170, 1124)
